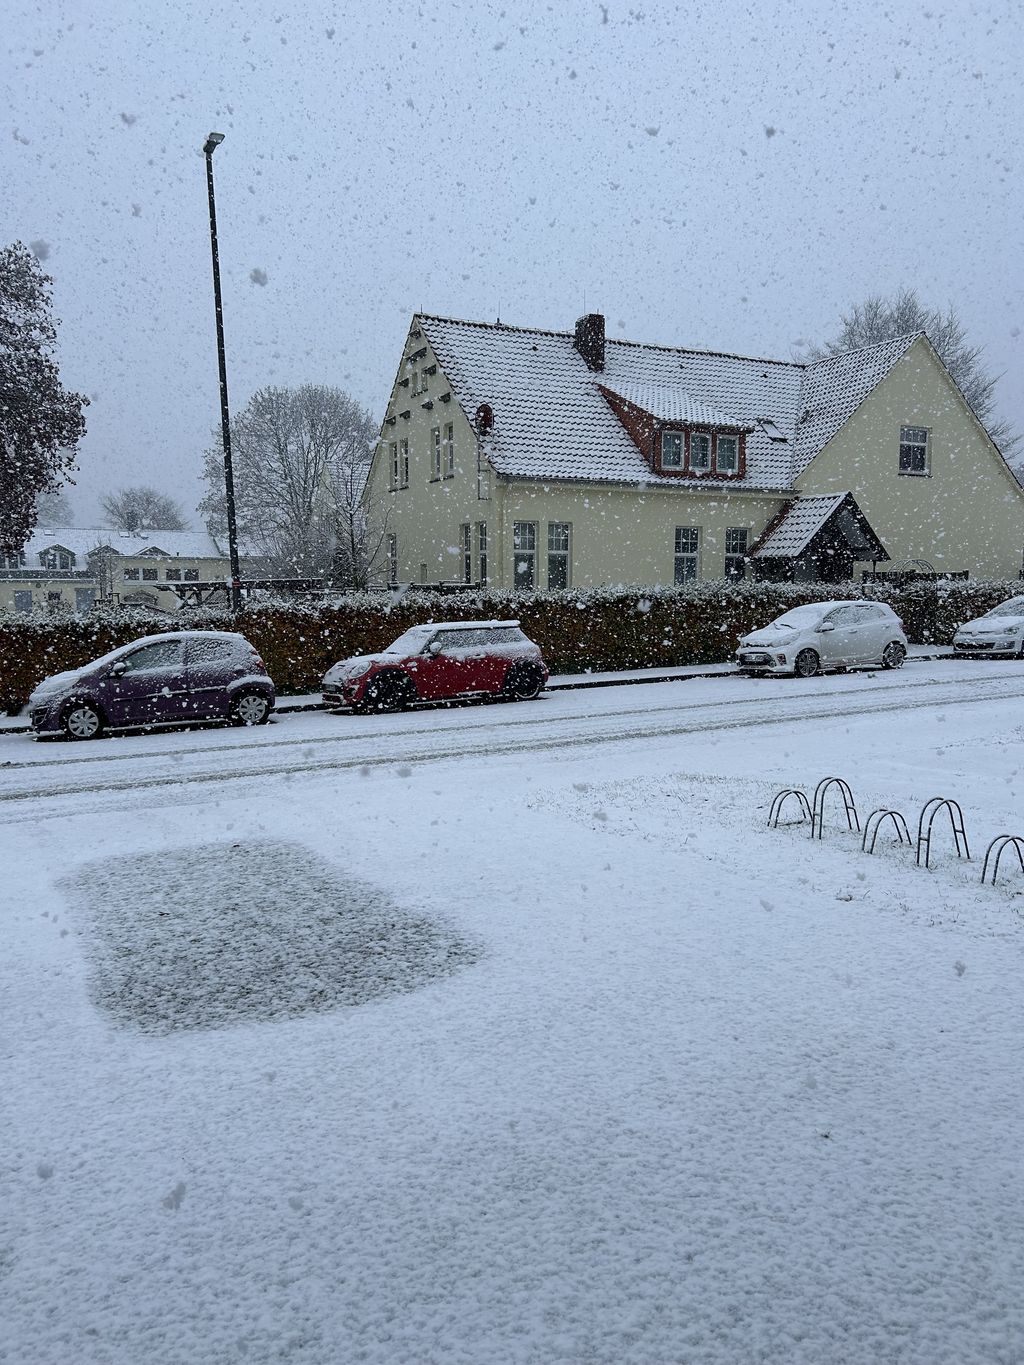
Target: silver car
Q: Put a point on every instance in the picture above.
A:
(822, 636)
(999, 632)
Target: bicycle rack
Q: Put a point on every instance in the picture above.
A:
(956, 819)
(899, 824)
(818, 811)
(1004, 841)
(779, 800)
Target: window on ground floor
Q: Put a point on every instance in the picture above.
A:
(736, 552)
(559, 554)
(687, 549)
(481, 551)
(524, 553)
(466, 548)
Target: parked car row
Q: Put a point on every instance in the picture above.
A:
(188, 676)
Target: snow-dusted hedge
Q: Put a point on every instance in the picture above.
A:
(598, 628)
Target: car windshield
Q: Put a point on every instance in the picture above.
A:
(1014, 607)
(412, 641)
(797, 619)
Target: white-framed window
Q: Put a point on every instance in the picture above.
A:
(150, 573)
(524, 554)
(559, 554)
(191, 575)
(403, 463)
(466, 547)
(394, 463)
(423, 381)
(687, 550)
(435, 464)
(700, 451)
(727, 454)
(481, 551)
(736, 552)
(57, 560)
(173, 575)
(13, 561)
(672, 450)
(914, 452)
(392, 558)
(131, 575)
(449, 450)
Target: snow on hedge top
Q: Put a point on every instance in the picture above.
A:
(552, 422)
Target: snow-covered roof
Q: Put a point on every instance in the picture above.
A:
(552, 422)
(798, 525)
(83, 540)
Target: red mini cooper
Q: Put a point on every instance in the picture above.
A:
(439, 663)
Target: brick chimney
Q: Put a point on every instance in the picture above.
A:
(589, 340)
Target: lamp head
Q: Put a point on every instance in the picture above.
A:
(213, 140)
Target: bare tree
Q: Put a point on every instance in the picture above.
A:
(41, 423)
(143, 509)
(360, 526)
(297, 456)
(54, 509)
(879, 319)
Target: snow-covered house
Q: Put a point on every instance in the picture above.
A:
(74, 567)
(533, 459)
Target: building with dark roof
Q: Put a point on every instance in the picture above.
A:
(523, 458)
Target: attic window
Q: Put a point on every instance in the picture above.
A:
(770, 429)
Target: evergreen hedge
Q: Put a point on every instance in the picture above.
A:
(590, 629)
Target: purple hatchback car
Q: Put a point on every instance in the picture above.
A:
(171, 679)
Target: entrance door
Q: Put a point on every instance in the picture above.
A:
(150, 689)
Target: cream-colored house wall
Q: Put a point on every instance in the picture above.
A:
(967, 513)
(619, 535)
(627, 536)
(427, 515)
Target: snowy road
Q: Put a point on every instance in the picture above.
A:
(511, 1034)
(300, 743)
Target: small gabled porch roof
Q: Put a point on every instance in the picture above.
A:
(792, 533)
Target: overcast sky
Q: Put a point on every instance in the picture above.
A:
(728, 175)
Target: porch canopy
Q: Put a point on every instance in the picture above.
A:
(816, 540)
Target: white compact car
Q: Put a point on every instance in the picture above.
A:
(825, 635)
(999, 631)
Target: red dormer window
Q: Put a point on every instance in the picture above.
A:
(701, 454)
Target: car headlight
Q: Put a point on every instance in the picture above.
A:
(357, 670)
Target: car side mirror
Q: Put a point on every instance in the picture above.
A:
(434, 647)
(119, 669)
(826, 625)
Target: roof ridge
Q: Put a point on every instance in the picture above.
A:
(616, 341)
(906, 337)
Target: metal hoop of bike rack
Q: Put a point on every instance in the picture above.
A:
(956, 819)
(1004, 841)
(779, 800)
(818, 807)
(899, 824)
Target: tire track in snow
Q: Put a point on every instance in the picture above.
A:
(592, 733)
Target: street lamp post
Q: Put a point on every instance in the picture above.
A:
(213, 141)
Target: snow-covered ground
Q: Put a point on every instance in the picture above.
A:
(510, 1033)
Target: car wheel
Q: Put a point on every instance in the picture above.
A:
(385, 694)
(250, 708)
(893, 655)
(807, 664)
(523, 682)
(82, 720)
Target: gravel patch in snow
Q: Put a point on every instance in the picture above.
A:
(212, 936)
